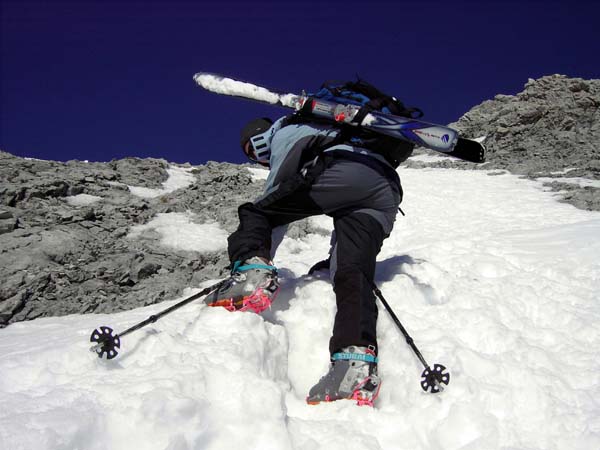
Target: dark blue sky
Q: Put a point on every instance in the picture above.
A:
(99, 80)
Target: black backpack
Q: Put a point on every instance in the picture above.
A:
(364, 94)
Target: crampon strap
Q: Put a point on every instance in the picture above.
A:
(237, 267)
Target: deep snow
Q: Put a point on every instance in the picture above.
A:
(491, 275)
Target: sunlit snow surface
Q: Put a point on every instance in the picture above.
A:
(182, 231)
(179, 178)
(491, 275)
(82, 199)
(258, 174)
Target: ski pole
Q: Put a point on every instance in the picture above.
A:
(107, 343)
(430, 378)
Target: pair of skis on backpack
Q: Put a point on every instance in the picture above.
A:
(435, 137)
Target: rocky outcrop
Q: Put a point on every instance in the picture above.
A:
(553, 125)
(63, 234)
(549, 130)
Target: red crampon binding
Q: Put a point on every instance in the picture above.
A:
(257, 302)
(361, 399)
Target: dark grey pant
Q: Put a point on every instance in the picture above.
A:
(363, 203)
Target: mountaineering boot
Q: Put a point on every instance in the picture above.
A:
(252, 286)
(352, 375)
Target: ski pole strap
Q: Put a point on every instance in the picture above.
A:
(354, 356)
(237, 267)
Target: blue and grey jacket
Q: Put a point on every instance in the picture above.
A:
(292, 150)
(289, 143)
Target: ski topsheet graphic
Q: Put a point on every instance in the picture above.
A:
(435, 137)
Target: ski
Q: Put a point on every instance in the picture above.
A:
(435, 137)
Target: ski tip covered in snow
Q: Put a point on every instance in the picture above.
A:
(219, 84)
(228, 86)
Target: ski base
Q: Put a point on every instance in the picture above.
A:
(468, 150)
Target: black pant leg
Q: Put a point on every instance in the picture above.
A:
(359, 239)
(253, 236)
(257, 220)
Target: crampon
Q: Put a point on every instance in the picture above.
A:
(365, 393)
(257, 302)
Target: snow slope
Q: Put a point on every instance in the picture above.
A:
(490, 274)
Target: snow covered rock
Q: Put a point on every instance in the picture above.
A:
(94, 237)
(551, 126)
(69, 242)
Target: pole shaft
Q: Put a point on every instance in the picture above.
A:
(409, 340)
(153, 318)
